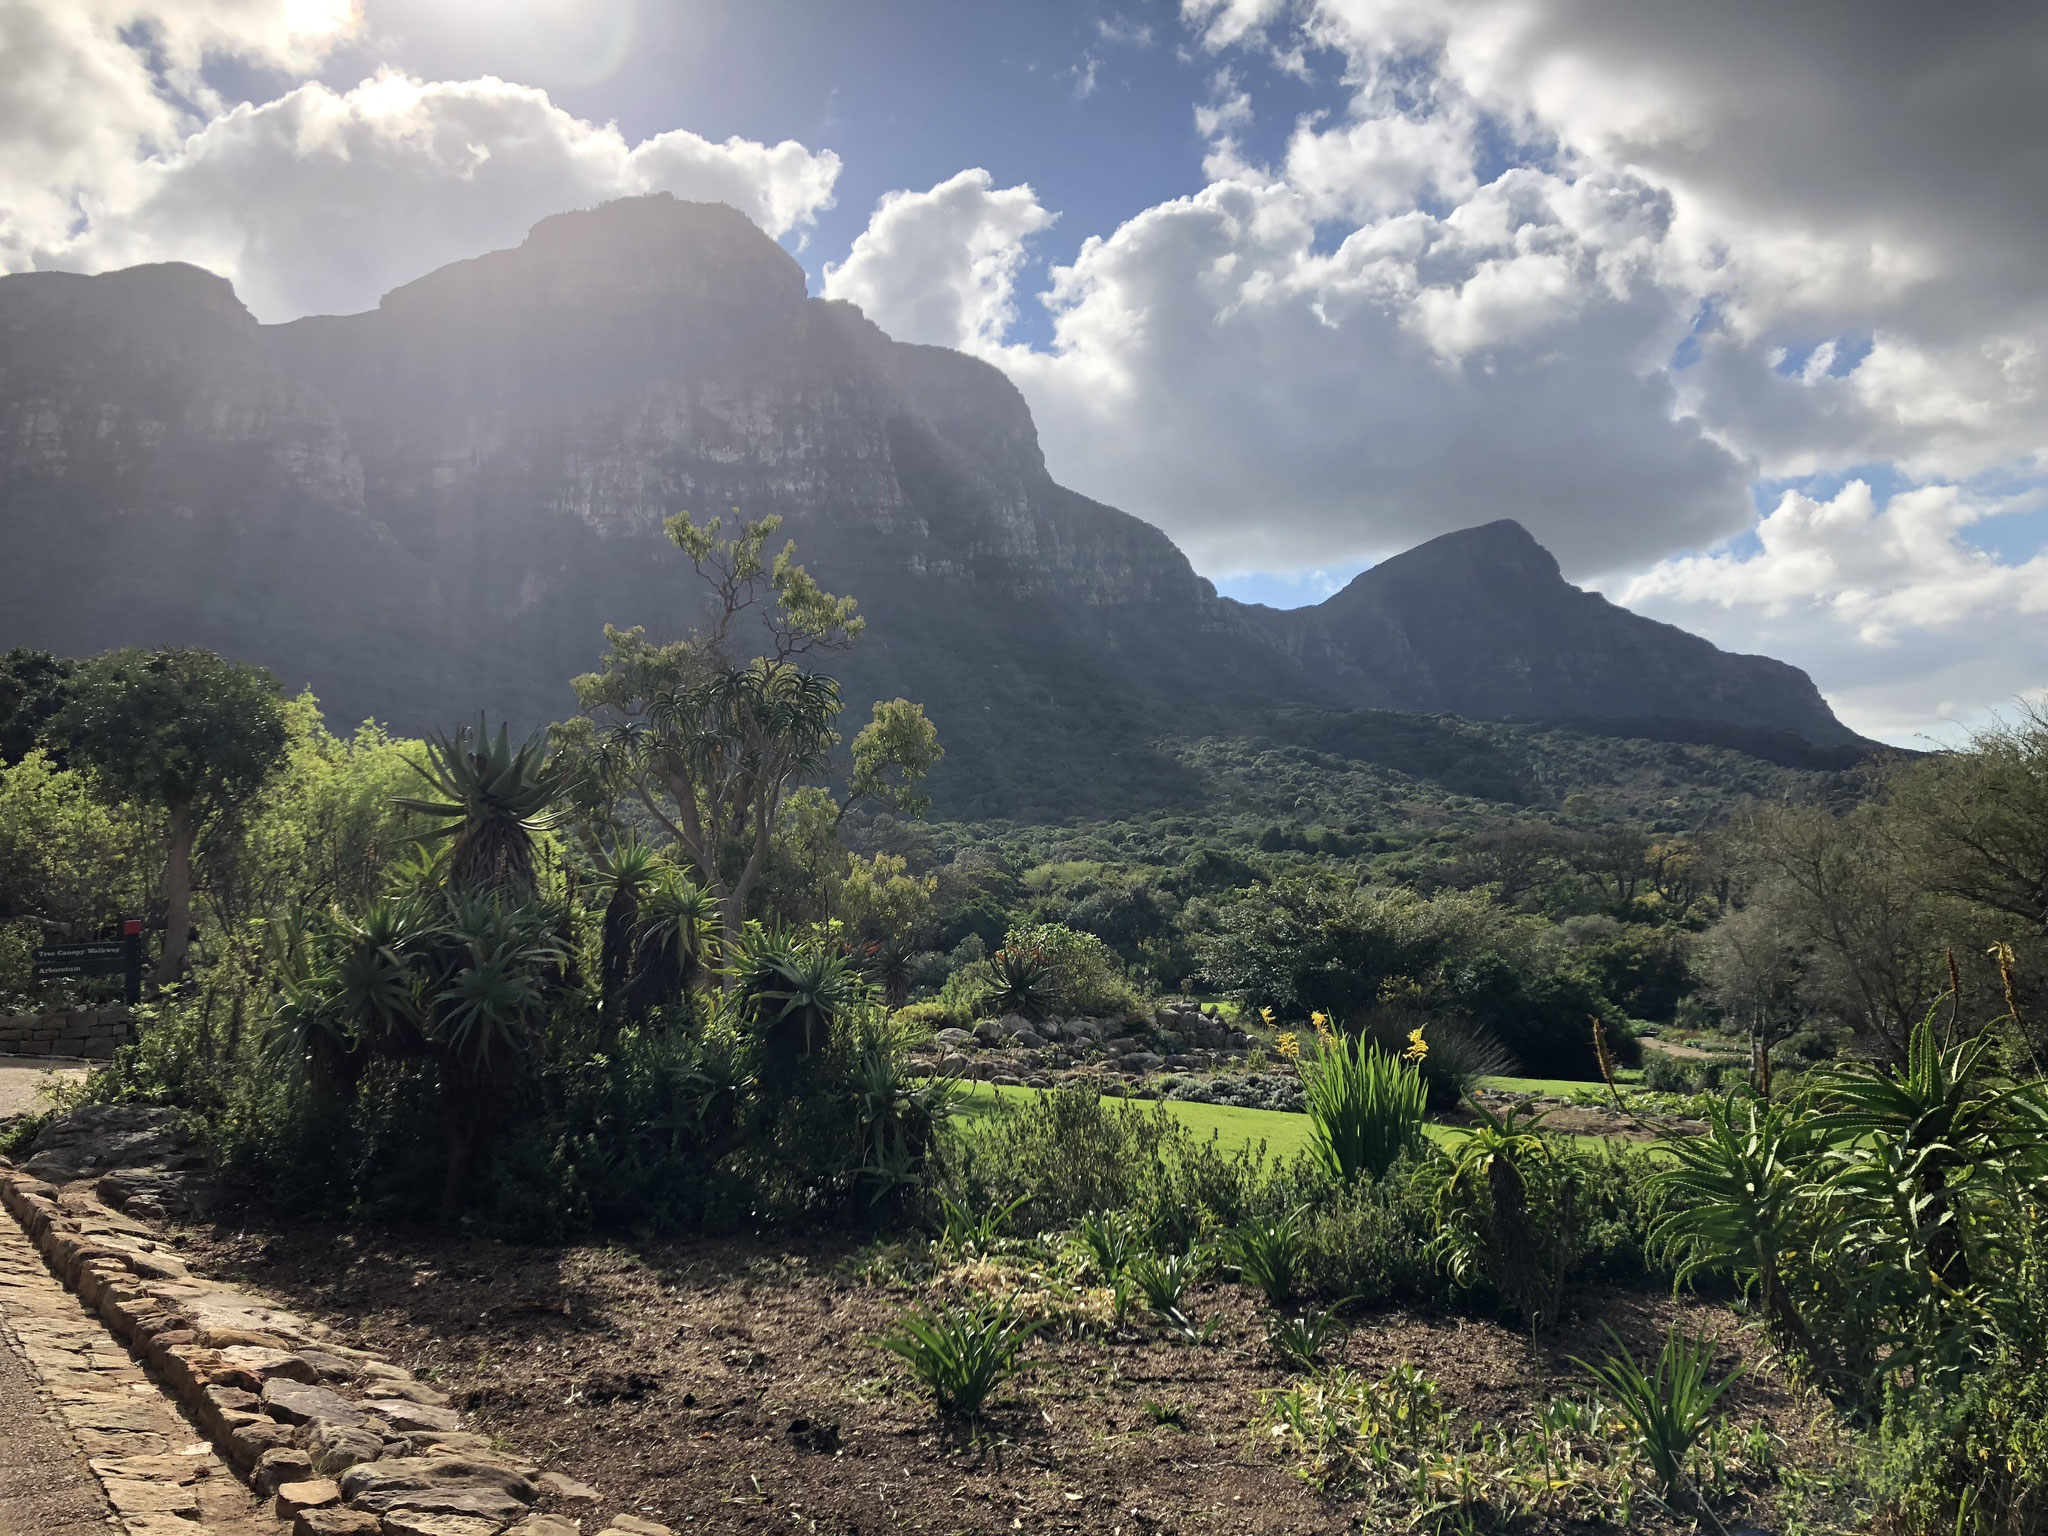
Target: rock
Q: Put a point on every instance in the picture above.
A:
(954, 1065)
(992, 1033)
(1143, 1061)
(334, 1448)
(1027, 1039)
(439, 1484)
(314, 1493)
(336, 1522)
(293, 1402)
(402, 1415)
(278, 1466)
(633, 1525)
(543, 1525)
(250, 1443)
(408, 1522)
(955, 1039)
(567, 1488)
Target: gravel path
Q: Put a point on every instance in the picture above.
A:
(22, 1079)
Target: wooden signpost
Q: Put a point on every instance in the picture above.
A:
(98, 957)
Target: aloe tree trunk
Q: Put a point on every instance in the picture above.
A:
(177, 895)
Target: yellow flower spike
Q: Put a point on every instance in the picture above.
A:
(1418, 1048)
(1266, 1017)
(1288, 1045)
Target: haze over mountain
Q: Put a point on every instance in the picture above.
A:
(435, 506)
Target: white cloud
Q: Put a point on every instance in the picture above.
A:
(89, 87)
(323, 201)
(941, 266)
(1904, 617)
(317, 200)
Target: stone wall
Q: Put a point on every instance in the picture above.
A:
(67, 1032)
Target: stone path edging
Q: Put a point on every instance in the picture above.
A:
(344, 1443)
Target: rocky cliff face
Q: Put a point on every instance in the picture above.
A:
(436, 506)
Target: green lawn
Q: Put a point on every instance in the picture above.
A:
(1284, 1134)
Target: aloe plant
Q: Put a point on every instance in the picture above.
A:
(494, 798)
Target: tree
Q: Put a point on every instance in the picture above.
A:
(711, 745)
(1976, 821)
(183, 730)
(1843, 893)
(34, 685)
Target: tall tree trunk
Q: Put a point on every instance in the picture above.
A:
(177, 896)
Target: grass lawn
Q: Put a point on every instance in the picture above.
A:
(1561, 1087)
(1284, 1134)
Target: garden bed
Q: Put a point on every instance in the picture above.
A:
(731, 1386)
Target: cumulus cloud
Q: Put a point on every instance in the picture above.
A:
(89, 87)
(322, 200)
(1906, 618)
(941, 266)
(1271, 403)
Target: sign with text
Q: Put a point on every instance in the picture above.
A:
(97, 957)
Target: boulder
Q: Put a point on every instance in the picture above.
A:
(1027, 1039)
(543, 1525)
(954, 1039)
(954, 1065)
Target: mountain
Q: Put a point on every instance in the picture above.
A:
(435, 506)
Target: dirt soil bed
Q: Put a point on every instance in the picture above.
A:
(729, 1385)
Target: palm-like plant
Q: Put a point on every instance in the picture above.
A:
(494, 798)
(961, 1355)
(1270, 1255)
(1509, 1210)
(1019, 981)
(1918, 1136)
(626, 876)
(676, 941)
(795, 994)
(888, 961)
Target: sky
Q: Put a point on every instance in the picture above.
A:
(1739, 308)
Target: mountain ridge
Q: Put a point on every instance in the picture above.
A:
(437, 504)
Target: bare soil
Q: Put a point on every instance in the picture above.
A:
(729, 1386)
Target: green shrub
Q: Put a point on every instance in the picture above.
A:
(1511, 1213)
(1669, 1411)
(1083, 974)
(1973, 1462)
(1666, 1073)
(1369, 1242)
(920, 1021)
(1460, 1052)
(1070, 1152)
(1365, 1107)
(960, 1354)
(1269, 1255)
